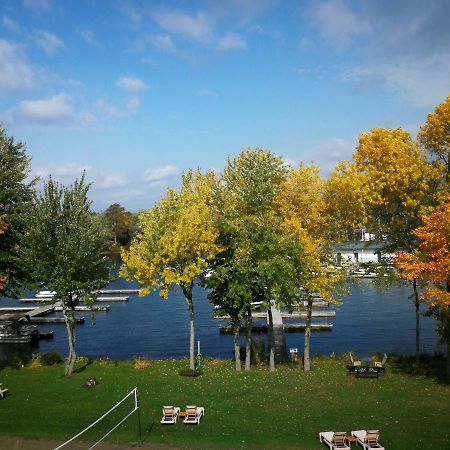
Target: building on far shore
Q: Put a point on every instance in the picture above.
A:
(362, 250)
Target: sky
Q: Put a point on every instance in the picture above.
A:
(136, 92)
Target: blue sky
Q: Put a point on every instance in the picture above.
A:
(135, 92)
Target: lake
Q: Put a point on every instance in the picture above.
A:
(366, 322)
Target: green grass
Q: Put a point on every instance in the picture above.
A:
(280, 410)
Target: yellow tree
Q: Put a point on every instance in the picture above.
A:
(302, 203)
(176, 238)
(431, 263)
(435, 136)
(398, 181)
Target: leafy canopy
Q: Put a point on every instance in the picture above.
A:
(65, 243)
(176, 237)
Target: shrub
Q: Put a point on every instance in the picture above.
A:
(51, 358)
(36, 362)
(141, 363)
(190, 373)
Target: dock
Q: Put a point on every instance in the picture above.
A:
(54, 320)
(288, 328)
(118, 291)
(278, 335)
(85, 308)
(286, 315)
(112, 299)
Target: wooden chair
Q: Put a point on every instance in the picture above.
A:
(354, 363)
(382, 363)
(334, 440)
(170, 415)
(194, 414)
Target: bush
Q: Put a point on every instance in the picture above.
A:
(141, 363)
(51, 358)
(36, 362)
(190, 373)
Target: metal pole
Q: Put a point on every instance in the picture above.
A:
(136, 404)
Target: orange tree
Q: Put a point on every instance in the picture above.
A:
(431, 263)
(398, 183)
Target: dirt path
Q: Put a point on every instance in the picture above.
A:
(15, 443)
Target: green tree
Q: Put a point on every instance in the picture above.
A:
(258, 262)
(64, 247)
(16, 194)
(119, 222)
(176, 237)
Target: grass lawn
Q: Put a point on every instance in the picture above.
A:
(281, 410)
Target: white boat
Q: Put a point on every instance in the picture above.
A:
(45, 294)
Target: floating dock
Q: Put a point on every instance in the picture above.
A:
(287, 315)
(54, 320)
(112, 299)
(85, 308)
(288, 328)
(118, 291)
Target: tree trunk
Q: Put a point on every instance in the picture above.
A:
(70, 325)
(448, 318)
(248, 341)
(271, 341)
(187, 291)
(306, 357)
(237, 350)
(417, 306)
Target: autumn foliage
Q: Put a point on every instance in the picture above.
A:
(431, 261)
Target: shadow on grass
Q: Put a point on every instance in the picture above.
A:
(147, 432)
(431, 366)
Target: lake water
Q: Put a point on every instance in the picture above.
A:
(365, 322)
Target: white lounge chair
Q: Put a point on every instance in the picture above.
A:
(3, 391)
(382, 363)
(334, 440)
(354, 363)
(194, 414)
(170, 415)
(368, 439)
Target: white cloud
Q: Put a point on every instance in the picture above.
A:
(232, 41)
(113, 180)
(48, 42)
(131, 108)
(207, 93)
(55, 110)
(10, 24)
(62, 172)
(131, 84)
(198, 27)
(163, 42)
(157, 174)
(16, 73)
(37, 5)
(337, 23)
(89, 37)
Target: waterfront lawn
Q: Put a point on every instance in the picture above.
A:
(280, 410)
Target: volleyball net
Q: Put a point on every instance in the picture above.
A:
(111, 420)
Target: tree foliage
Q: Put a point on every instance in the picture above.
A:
(64, 248)
(435, 136)
(430, 262)
(119, 222)
(16, 194)
(308, 220)
(176, 238)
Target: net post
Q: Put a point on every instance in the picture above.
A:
(136, 405)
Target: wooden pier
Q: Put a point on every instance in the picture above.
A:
(118, 291)
(54, 320)
(85, 308)
(288, 328)
(112, 299)
(287, 315)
